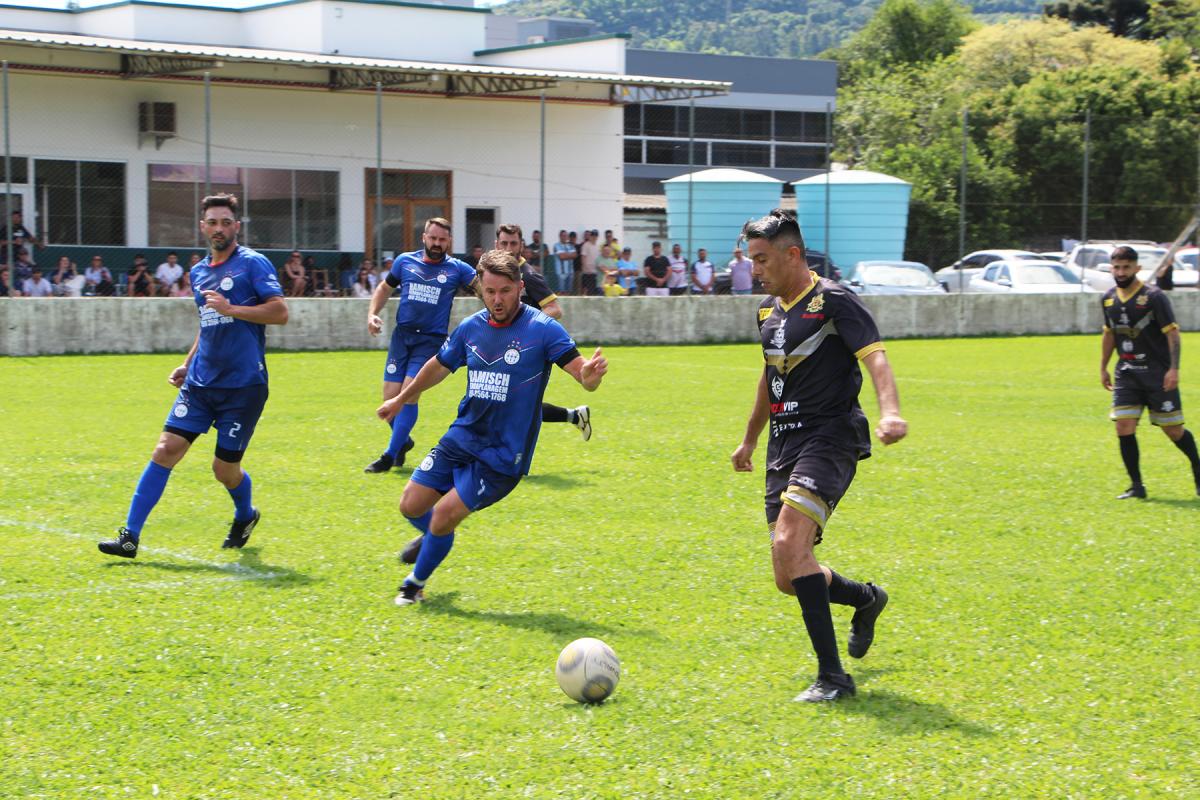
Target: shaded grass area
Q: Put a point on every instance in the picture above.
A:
(1040, 640)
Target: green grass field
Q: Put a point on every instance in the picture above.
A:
(1041, 640)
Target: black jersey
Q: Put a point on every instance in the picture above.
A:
(1139, 318)
(811, 347)
(537, 292)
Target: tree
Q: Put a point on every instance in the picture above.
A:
(905, 32)
(1121, 17)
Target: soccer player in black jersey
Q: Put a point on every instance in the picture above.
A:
(814, 332)
(1140, 324)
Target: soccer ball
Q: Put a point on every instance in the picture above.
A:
(588, 670)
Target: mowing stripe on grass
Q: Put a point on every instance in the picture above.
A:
(132, 587)
(240, 571)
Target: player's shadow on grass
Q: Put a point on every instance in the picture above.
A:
(553, 481)
(560, 625)
(903, 715)
(249, 567)
(1194, 502)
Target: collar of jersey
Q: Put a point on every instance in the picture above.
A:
(801, 296)
(517, 316)
(1134, 288)
(232, 255)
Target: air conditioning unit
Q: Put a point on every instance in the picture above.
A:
(156, 121)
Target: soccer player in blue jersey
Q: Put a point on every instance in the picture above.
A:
(428, 279)
(223, 381)
(508, 349)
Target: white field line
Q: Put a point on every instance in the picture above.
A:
(237, 570)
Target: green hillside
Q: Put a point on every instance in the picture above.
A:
(788, 28)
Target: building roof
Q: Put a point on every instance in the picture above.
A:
(851, 176)
(161, 58)
(723, 175)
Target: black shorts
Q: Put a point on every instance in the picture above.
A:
(1133, 389)
(812, 471)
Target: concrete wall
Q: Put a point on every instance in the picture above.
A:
(105, 325)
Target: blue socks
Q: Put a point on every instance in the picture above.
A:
(434, 550)
(149, 489)
(402, 426)
(421, 523)
(243, 507)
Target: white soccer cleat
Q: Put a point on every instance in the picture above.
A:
(583, 421)
(410, 594)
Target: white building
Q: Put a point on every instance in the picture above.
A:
(111, 146)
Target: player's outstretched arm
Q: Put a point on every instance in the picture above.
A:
(273, 311)
(589, 373)
(759, 416)
(892, 427)
(430, 375)
(1107, 345)
(179, 374)
(379, 299)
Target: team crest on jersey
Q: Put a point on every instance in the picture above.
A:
(1168, 405)
(816, 304)
(441, 278)
(512, 355)
(1127, 346)
(763, 313)
(1142, 299)
(180, 410)
(778, 338)
(427, 462)
(1124, 318)
(391, 369)
(227, 283)
(777, 386)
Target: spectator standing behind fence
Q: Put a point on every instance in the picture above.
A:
(740, 279)
(5, 289)
(611, 287)
(22, 266)
(677, 278)
(612, 243)
(656, 268)
(564, 262)
(37, 286)
(702, 273)
(363, 286)
(538, 259)
(97, 280)
(294, 279)
(606, 264)
(589, 253)
(139, 283)
(167, 273)
(21, 236)
(627, 269)
(473, 258)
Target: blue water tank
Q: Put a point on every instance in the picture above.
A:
(868, 215)
(721, 202)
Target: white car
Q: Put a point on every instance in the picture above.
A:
(957, 276)
(1093, 262)
(1190, 256)
(1019, 276)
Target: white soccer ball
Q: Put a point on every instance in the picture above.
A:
(588, 670)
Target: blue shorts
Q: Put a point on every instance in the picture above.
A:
(450, 467)
(233, 412)
(408, 353)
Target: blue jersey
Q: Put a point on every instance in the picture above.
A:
(427, 291)
(507, 371)
(232, 352)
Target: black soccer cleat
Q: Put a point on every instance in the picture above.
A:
(409, 445)
(381, 464)
(1136, 491)
(827, 688)
(862, 624)
(239, 532)
(410, 594)
(411, 550)
(125, 545)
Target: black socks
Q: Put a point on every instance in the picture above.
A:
(1129, 454)
(1187, 444)
(555, 413)
(846, 592)
(813, 594)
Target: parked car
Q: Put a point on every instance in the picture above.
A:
(1190, 256)
(1020, 276)
(818, 262)
(1055, 255)
(957, 276)
(892, 277)
(1092, 261)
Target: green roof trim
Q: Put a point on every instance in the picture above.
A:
(599, 37)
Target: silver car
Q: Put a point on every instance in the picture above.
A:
(892, 277)
(957, 276)
(1028, 277)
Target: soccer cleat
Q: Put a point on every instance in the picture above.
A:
(583, 421)
(239, 532)
(409, 445)
(411, 550)
(862, 624)
(827, 688)
(410, 594)
(1136, 491)
(125, 545)
(381, 464)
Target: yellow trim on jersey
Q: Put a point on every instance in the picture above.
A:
(1174, 326)
(1108, 301)
(1173, 418)
(1134, 288)
(547, 301)
(763, 313)
(807, 503)
(874, 347)
(1106, 329)
(1125, 412)
(799, 297)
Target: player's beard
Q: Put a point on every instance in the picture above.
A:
(219, 243)
(1125, 283)
(502, 314)
(434, 252)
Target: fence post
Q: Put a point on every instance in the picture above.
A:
(962, 196)
(8, 246)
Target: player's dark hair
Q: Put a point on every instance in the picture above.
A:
(221, 200)
(441, 222)
(780, 228)
(510, 230)
(500, 262)
(1124, 253)
(656, 244)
